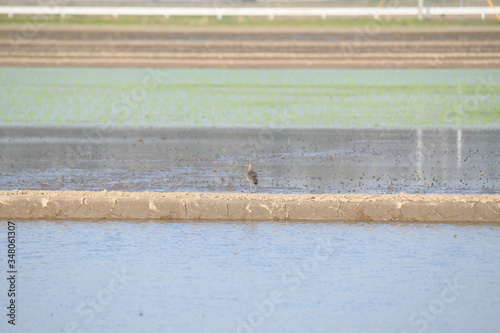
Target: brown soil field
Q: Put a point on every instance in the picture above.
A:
(29, 204)
(251, 47)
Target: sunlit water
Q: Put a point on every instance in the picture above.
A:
(159, 276)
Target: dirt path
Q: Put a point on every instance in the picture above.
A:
(259, 47)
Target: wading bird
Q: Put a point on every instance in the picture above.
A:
(251, 176)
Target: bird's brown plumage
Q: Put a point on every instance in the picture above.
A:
(251, 175)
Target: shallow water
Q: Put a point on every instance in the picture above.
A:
(158, 276)
(287, 161)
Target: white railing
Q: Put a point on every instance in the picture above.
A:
(219, 12)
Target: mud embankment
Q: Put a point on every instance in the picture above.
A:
(251, 206)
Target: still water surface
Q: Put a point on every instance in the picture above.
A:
(158, 276)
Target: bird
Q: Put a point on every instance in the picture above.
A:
(251, 176)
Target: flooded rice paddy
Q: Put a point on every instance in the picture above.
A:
(156, 276)
(340, 98)
(306, 131)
